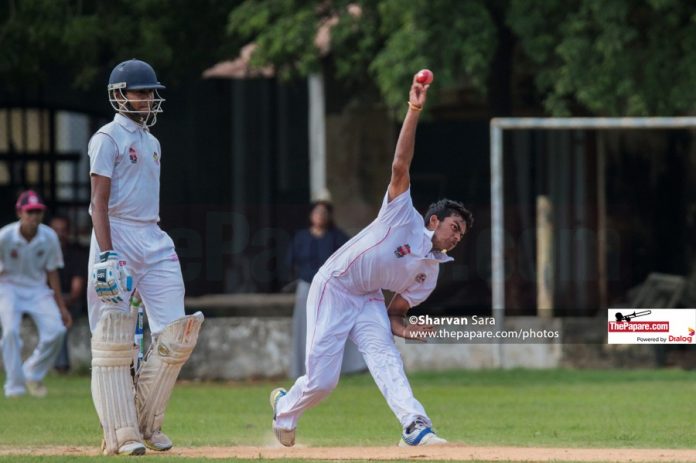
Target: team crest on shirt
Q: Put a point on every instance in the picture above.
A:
(40, 253)
(420, 278)
(156, 157)
(14, 254)
(401, 251)
(132, 155)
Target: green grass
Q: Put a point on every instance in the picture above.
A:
(552, 408)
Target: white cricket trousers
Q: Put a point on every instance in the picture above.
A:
(333, 316)
(38, 302)
(154, 265)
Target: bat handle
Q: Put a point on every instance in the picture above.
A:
(138, 335)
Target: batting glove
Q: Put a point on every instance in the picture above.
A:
(111, 279)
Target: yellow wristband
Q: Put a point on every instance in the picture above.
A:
(414, 107)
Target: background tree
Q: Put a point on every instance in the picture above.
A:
(87, 38)
(383, 42)
(623, 57)
(618, 57)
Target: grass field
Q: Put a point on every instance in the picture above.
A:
(550, 408)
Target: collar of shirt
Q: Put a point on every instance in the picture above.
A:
(430, 253)
(128, 123)
(19, 239)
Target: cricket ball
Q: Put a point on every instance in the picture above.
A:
(424, 76)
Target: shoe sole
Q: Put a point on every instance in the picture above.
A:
(427, 441)
(132, 453)
(279, 436)
(157, 449)
(135, 452)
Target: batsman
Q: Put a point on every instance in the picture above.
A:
(128, 249)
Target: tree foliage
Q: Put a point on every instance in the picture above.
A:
(604, 57)
(385, 41)
(618, 57)
(87, 38)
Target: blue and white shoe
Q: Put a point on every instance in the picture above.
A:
(419, 433)
(284, 436)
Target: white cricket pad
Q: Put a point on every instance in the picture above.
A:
(158, 373)
(112, 386)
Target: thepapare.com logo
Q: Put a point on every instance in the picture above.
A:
(628, 324)
(668, 326)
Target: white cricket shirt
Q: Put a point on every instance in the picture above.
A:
(129, 154)
(25, 263)
(394, 252)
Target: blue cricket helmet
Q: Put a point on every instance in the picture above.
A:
(134, 74)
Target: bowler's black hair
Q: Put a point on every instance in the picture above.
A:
(447, 207)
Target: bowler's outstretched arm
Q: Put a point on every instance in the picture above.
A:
(400, 178)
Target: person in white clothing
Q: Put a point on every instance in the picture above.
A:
(30, 255)
(128, 250)
(399, 252)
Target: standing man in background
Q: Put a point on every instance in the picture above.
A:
(29, 255)
(125, 178)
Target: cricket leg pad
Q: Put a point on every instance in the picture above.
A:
(113, 392)
(160, 369)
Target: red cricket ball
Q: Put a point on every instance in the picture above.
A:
(424, 76)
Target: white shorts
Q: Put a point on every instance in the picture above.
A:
(152, 261)
(39, 303)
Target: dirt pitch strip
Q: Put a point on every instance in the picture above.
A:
(445, 452)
